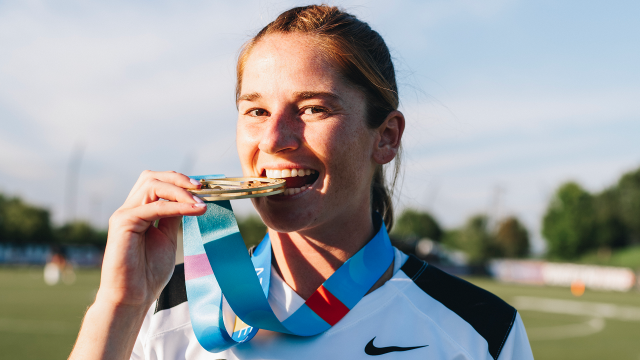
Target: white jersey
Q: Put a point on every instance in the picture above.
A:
(420, 313)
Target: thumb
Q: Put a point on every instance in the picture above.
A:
(170, 227)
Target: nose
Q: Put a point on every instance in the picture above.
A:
(281, 133)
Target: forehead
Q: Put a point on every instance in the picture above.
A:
(281, 62)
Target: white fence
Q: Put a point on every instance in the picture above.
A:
(563, 274)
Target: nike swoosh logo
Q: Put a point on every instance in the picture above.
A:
(371, 349)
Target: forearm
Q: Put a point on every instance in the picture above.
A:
(108, 331)
(137, 264)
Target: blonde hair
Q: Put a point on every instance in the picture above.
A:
(362, 58)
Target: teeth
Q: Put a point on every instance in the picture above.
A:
(278, 174)
(293, 191)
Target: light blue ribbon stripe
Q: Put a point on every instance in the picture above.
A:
(356, 277)
(205, 313)
(305, 322)
(191, 243)
(234, 270)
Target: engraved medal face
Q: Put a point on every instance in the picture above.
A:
(238, 188)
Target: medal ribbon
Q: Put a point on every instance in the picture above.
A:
(216, 262)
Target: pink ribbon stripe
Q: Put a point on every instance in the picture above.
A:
(196, 266)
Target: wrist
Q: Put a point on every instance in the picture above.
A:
(108, 304)
(109, 330)
(118, 319)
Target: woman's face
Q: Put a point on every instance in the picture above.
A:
(297, 115)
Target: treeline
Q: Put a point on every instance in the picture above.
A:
(22, 223)
(479, 238)
(578, 222)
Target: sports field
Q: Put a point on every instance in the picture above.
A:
(40, 322)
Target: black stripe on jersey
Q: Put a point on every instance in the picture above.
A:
(175, 293)
(489, 315)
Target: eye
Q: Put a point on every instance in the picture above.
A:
(313, 110)
(258, 112)
(312, 113)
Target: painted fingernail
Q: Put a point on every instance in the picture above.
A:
(194, 181)
(198, 200)
(200, 205)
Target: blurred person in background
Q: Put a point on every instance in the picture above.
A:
(318, 106)
(58, 268)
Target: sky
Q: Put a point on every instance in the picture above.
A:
(505, 99)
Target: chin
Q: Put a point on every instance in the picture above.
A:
(283, 218)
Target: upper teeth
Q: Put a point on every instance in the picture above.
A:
(277, 174)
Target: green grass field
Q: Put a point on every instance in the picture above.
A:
(41, 322)
(619, 339)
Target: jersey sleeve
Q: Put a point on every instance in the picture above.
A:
(516, 345)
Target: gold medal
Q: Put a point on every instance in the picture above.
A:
(238, 188)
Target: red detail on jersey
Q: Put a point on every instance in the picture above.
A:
(327, 306)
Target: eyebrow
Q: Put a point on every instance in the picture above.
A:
(249, 97)
(303, 95)
(300, 95)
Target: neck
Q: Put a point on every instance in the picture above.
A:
(307, 258)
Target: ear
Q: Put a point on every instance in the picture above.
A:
(388, 136)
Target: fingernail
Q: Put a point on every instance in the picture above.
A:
(200, 205)
(194, 181)
(198, 200)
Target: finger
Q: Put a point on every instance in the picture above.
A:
(138, 219)
(164, 209)
(171, 177)
(153, 190)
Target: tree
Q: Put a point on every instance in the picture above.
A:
(475, 239)
(417, 224)
(252, 230)
(23, 223)
(570, 222)
(512, 239)
(610, 231)
(80, 232)
(629, 202)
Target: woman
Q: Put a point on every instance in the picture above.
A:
(317, 102)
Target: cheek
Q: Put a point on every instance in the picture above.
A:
(246, 143)
(343, 148)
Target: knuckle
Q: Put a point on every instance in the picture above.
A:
(150, 183)
(157, 205)
(146, 174)
(115, 217)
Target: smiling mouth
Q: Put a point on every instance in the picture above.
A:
(297, 180)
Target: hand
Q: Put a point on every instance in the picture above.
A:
(139, 258)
